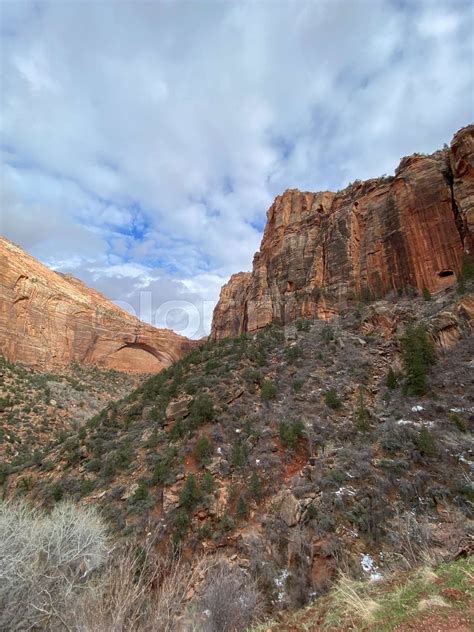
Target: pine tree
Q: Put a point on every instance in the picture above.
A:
(255, 486)
(362, 414)
(241, 508)
(418, 355)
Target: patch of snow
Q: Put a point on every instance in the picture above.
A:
(417, 408)
(219, 450)
(257, 461)
(238, 430)
(369, 566)
(349, 491)
(280, 581)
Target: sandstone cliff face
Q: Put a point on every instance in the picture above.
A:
(321, 251)
(49, 320)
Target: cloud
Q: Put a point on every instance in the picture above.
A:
(143, 142)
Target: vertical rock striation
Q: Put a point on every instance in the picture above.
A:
(320, 251)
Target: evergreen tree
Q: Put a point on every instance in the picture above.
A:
(418, 355)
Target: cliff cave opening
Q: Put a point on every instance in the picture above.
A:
(445, 273)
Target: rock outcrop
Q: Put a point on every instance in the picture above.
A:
(49, 320)
(322, 251)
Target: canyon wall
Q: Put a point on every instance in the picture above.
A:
(49, 320)
(322, 251)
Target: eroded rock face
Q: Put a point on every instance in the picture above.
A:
(49, 320)
(322, 251)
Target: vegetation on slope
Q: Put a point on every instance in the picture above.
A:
(296, 452)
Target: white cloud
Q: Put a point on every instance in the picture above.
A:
(152, 137)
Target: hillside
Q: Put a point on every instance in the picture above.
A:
(49, 321)
(295, 452)
(37, 407)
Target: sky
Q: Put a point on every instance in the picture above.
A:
(143, 142)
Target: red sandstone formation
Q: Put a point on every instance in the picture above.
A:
(322, 250)
(49, 320)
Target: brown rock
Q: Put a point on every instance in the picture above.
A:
(179, 408)
(320, 251)
(49, 320)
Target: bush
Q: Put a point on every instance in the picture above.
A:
(202, 410)
(303, 324)
(239, 454)
(293, 354)
(290, 433)
(418, 355)
(426, 294)
(426, 442)
(208, 483)
(297, 385)
(362, 414)
(45, 561)
(203, 450)
(231, 600)
(392, 379)
(190, 494)
(269, 391)
(458, 422)
(255, 486)
(332, 399)
(241, 508)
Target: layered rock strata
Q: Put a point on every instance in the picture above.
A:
(322, 251)
(49, 320)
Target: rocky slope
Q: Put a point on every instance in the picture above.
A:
(49, 320)
(324, 251)
(293, 452)
(36, 407)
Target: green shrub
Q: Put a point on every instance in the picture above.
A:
(203, 450)
(255, 486)
(141, 493)
(268, 391)
(362, 414)
(392, 379)
(297, 385)
(239, 454)
(290, 433)
(303, 324)
(418, 355)
(253, 375)
(426, 442)
(332, 399)
(241, 508)
(327, 333)
(458, 422)
(208, 483)
(426, 294)
(202, 410)
(190, 494)
(293, 353)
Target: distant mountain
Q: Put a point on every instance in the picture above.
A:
(49, 320)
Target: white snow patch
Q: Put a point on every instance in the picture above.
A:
(280, 581)
(369, 566)
(417, 408)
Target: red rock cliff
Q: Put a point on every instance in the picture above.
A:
(48, 320)
(322, 250)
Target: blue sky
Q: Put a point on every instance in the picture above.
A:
(142, 142)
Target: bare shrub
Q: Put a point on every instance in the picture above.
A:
(139, 591)
(230, 600)
(412, 539)
(45, 563)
